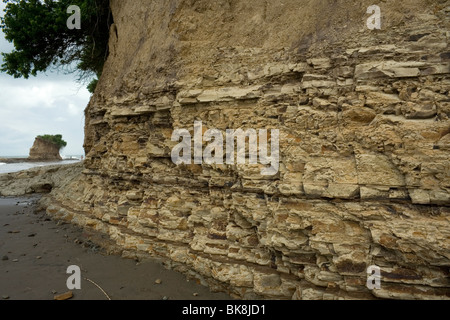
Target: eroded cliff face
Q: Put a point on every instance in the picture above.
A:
(364, 175)
(43, 150)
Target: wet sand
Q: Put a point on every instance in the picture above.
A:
(35, 253)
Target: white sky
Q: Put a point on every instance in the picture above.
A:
(50, 103)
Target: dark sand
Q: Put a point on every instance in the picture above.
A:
(35, 253)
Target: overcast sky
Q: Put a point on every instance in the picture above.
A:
(50, 103)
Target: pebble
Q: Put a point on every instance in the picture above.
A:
(65, 296)
(158, 281)
(16, 260)
(38, 257)
(165, 298)
(5, 297)
(195, 294)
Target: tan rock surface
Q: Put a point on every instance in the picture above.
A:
(43, 150)
(364, 126)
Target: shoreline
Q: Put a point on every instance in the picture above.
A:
(35, 252)
(39, 179)
(26, 160)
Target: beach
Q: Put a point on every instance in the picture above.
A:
(36, 251)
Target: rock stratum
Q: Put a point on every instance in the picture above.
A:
(363, 115)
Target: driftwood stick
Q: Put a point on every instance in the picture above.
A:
(98, 287)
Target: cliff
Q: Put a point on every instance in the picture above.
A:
(43, 150)
(363, 120)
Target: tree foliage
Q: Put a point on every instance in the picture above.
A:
(41, 39)
(55, 139)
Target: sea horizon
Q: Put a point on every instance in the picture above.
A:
(26, 156)
(13, 157)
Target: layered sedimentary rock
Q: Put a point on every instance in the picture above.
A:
(363, 116)
(43, 150)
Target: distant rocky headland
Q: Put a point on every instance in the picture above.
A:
(45, 149)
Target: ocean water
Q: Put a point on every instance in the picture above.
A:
(16, 167)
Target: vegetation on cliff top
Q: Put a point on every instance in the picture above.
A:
(38, 29)
(55, 139)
